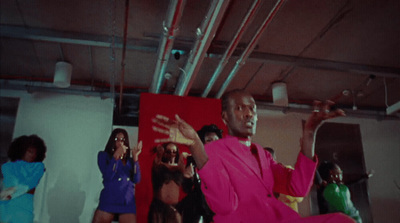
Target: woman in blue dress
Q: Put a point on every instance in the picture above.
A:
(120, 169)
(21, 176)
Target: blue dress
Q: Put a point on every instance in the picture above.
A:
(23, 176)
(118, 194)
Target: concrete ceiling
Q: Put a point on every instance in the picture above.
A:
(318, 48)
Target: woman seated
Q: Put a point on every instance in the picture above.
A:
(21, 176)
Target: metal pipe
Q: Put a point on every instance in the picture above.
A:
(121, 86)
(91, 67)
(241, 61)
(46, 35)
(61, 52)
(232, 46)
(175, 11)
(205, 35)
(27, 86)
(95, 86)
(113, 9)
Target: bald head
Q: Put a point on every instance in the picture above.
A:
(225, 97)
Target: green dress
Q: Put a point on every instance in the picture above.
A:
(339, 200)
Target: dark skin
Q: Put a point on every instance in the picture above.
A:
(241, 119)
(241, 116)
(210, 137)
(29, 156)
(120, 151)
(181, 132)
(336, 175)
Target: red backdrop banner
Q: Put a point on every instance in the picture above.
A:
(195, 111)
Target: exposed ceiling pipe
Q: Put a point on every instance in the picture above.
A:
(61, 52)
(232, 46)
(91, 67)
(113, 9)
(174, 14)
(242, 60)
(86, 39)
(46, 35)
(205, 34)
(31, 87)
(121, 85)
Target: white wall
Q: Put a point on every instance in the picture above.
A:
(282, 132)
(381, 143)
(75, 128)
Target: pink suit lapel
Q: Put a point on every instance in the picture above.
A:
(246, 158)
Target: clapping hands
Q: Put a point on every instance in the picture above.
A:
(121, 151)
(136, 151)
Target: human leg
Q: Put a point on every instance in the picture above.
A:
(127, 218)
(102, 217)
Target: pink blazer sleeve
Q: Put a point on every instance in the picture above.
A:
(295, 182)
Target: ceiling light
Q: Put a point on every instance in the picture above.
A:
(279, 94)
(62, 74)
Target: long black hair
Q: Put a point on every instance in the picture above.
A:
(209, 129)
(325, 168)
(110, 146)
(164, 147)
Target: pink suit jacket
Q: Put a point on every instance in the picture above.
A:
(237, 191)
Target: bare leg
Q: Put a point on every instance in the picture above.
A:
(102, 217)
(127, 218)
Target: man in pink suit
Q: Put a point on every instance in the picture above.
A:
(238, 176)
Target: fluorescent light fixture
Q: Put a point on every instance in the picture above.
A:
(279, 94)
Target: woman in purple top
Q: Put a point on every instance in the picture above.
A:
(120, 169)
